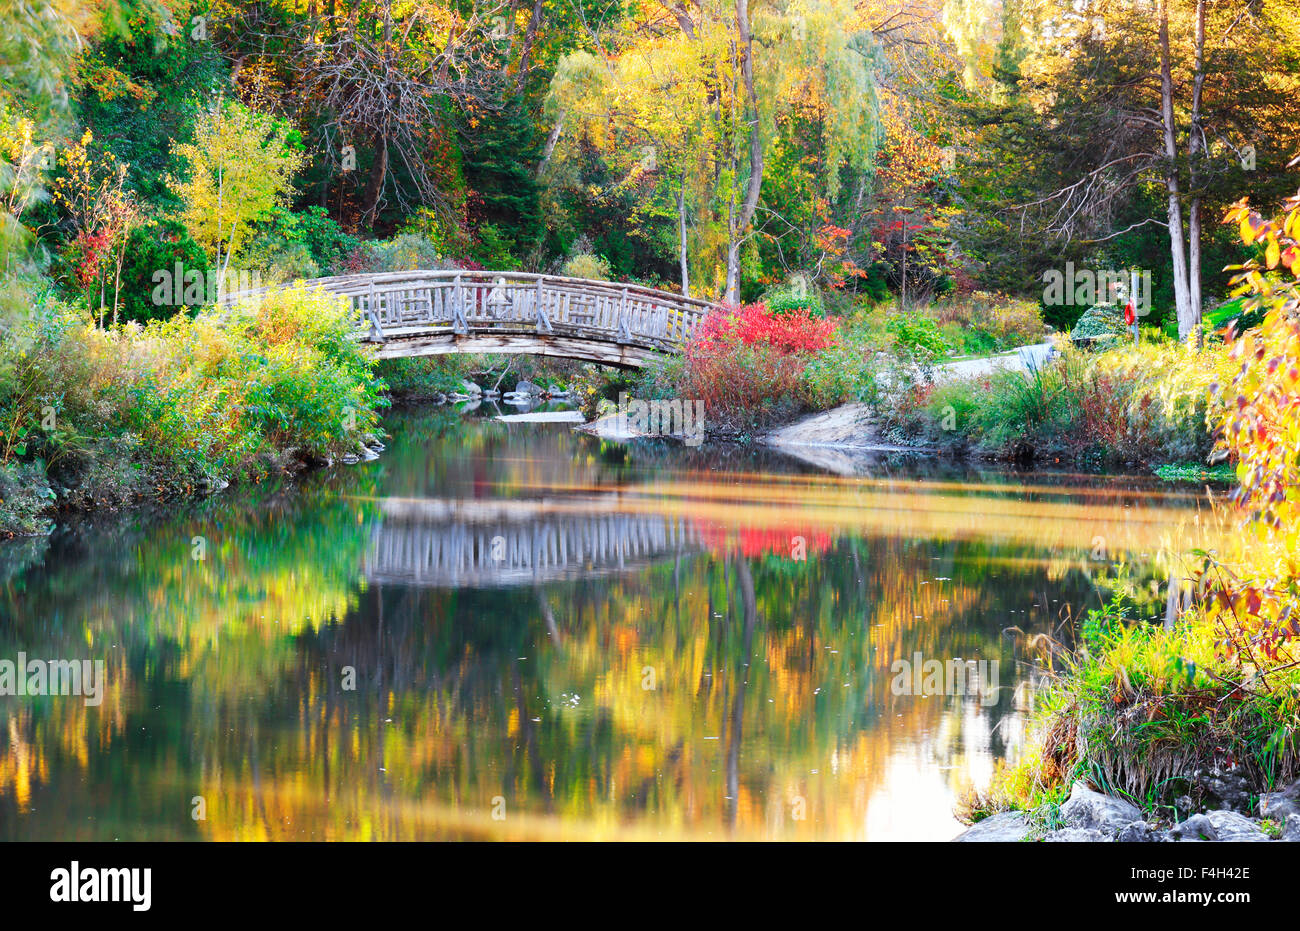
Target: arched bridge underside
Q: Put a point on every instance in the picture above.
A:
(428, 313)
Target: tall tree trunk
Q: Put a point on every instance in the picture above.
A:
(551, 139)
(740, 220)
(681, 237)
(530, 36)
(221, 191)
(1195, 151)
(375, 182)
(117, 275)
(902, 297)
(1182, 292)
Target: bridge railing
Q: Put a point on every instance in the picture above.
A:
(391, 304)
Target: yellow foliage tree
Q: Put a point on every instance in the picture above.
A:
(241, 166)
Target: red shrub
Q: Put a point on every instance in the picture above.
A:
(746, 363)
(753, 324)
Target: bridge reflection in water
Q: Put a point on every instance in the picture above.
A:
(436, 543)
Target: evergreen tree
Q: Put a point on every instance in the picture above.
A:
(499, 157)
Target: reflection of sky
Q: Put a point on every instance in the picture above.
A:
(913, 801)
(922, 779)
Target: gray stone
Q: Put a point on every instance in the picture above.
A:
(1077, 836)
(1278, 806)
(1089, 809)
(1195, 828)
(1139, 832)
(528, 388)
(1231, 826)
(1291, 830)
(470, 388)
(1000, 828)
(1221, 788)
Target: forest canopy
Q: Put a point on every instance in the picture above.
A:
(858, 151)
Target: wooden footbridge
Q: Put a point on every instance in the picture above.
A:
(427, 313)
(434, 543)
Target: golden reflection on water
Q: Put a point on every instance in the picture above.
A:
(718, 680)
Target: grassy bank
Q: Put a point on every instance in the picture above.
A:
(94, 418)
(757, 367)
(761, 365)
(1151, 713)
(1130, 405)
(1159, 712)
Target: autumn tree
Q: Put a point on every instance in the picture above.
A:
(39, 41)
(99, 212)
(379, 74)
(691, 94)
(239, 168)
(1122, 98)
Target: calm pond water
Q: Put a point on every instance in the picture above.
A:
(507, 630)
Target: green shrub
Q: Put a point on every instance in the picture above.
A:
(312, 231)
(1098, 323)
(586, 265)
(155, 247)
(1038, 407)
(951, 410)
(277, 260)
(491, 248)
(406, 252)
(784, 302)
(843, 372)
(983, 321)
(917, 337)
(177, 404)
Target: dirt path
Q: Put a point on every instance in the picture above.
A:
(1023, 359)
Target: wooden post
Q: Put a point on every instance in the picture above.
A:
(543, 320)
(624, 334)
(459, 323)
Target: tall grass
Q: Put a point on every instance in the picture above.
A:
(1144, 404)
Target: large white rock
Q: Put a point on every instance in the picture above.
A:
(1087, 808)
(1231, 826)
(1000, 828)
